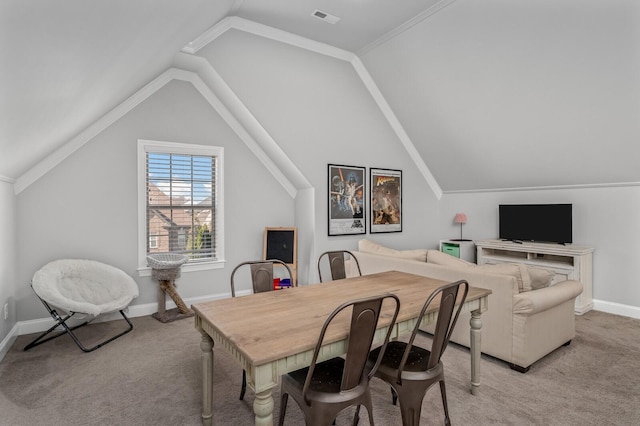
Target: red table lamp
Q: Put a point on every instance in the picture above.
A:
(460, 218)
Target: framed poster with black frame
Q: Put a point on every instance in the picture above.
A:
(346, 200)
(386, 200)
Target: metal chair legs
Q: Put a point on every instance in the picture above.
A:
(243, 389)
(60, 321)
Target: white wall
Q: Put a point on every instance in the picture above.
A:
(319, 112)
(86, 207)
(315, 107)
(607, 219)
(8, 258)
(513, 94)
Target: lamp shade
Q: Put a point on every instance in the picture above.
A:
(460, 218)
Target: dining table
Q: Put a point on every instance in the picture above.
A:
(273, 333)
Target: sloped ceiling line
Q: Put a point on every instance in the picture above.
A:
(112, 116)
(404, 27)
(544, 188)
(237, 23)
(395, 124)
(49, 162)
(254, 135)
(255, 28)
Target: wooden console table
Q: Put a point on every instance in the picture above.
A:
(567, 262)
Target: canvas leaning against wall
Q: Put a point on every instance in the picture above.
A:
(346, 200)
(386, 200)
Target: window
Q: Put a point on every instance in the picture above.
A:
(153, 241)
(180, 201)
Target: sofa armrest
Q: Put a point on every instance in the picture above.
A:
(532, 302)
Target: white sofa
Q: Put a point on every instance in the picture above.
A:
(526, 318)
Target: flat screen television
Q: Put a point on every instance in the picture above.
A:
(549, 223)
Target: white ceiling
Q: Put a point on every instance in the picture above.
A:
(516, 94)
(65, 63)
(361, 21)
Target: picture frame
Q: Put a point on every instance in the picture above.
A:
(385, 200)
(346, 200)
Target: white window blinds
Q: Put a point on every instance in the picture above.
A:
(181, 204)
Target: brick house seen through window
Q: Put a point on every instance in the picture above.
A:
(180, 202)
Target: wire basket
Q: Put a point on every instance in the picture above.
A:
(166, 260)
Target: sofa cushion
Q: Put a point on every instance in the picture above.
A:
(369, 246)
(519, 271)
(444, 259)
(540, 278)
(529, 278)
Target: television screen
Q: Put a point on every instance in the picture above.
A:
(551, 223)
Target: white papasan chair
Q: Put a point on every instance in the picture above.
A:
(84, 287)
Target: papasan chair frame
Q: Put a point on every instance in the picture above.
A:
(84, 287)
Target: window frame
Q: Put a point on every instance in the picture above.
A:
(145, 146)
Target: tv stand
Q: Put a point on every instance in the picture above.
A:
(567, 262)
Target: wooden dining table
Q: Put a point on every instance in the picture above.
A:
(273, 333)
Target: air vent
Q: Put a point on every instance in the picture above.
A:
(326, 17)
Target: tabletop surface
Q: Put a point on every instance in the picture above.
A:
(264, 326)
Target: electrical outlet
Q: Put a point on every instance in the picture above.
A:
(6, 310)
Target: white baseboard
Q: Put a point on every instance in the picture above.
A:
(42, 324)
(7, 342)
(617, 309)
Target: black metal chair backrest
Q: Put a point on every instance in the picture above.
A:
(261, 274)
(447, 317)
(364, 322)
(337, 260)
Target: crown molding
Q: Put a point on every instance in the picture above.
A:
(141, 95)
(49, 162)
(201, 67)
(405, 26)
(395, 124)
(545, 188)
(241, 24)
(218, 93)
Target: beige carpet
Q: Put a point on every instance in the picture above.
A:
(151, 376)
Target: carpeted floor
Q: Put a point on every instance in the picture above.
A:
(151, 376)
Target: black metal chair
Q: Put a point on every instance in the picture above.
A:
(336, 260)
(262, 280)
(324, 389)
(411, 370)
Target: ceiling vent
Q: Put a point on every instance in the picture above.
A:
(326, 17)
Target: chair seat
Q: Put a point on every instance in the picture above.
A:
(415, 368)
(411, 370)
(326, 380)
(325, 388)
(417, 360)
(84, 286)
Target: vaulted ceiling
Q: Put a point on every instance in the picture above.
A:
(508, 94)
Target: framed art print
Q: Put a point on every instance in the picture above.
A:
(346, 200)
(386, 200)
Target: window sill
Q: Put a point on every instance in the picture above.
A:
(145, 271)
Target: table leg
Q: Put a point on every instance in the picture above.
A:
(263, 408)
(476, 326)
(206, 345)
